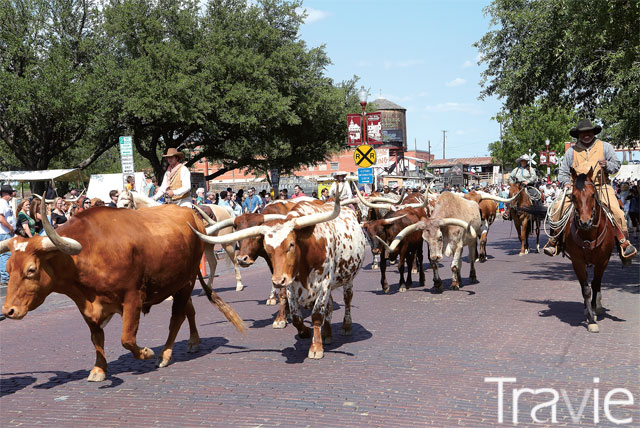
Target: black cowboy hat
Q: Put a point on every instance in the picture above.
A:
(585, 125)
(5, 188)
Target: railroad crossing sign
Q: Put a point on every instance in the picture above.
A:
(364, 156)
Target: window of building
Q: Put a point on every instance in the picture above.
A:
(334, 166)
(322, 167)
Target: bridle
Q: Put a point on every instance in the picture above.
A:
(576, 214)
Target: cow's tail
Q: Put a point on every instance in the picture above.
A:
(226, 310)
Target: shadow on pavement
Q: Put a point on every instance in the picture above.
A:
(299, 351)
(124, 364)
(571, 313)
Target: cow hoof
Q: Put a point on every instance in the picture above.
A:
(473, 280)
(402, 289)
(193, 347)
(316, 355)
(146, 353)
(593, 328)
(96, 375)
(327, 340)
(279, 324)
(239, 287)
(344, 332)
(375, 267)
(271, 301)
(455, 287)
(385, 288)
(163, 362)
(305, 334)
(414, 271)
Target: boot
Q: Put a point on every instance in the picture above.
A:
(626, 248)
(551, 249)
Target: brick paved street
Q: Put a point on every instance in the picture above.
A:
(415, 358)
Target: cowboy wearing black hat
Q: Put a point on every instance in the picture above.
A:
(176, 185)
(590, 152)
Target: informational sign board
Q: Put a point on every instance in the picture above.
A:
(553, 160)
(126, 154)
(374, 128)
(275, 180)
(365, 175)
(354, 129)
(364, 156)
(543, 158)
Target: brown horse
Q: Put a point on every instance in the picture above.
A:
(524, 219)
(589, 240)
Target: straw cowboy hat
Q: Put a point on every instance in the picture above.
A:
(337, 173)
(525, 158)
(585, 125)
(173, 152)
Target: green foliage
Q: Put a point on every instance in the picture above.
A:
(527, 129)
(571, 54)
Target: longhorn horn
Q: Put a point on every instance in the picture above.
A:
(204, 215)
(448, 221)
(313, 219)
(391, 220)
(400, 236)
(370, 205)
(54, 240)
(231, 237)
(229, 222)
(4, 245)
(349, 202)
(495, 198)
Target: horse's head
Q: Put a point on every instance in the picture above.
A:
(520, 190)
(584, 199)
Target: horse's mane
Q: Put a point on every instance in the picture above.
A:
(581, 181)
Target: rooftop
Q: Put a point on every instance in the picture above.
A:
(477, 161)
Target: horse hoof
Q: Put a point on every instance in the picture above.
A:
(193, 347)
(96, 375)
(375, 267)
(521, 254)
(344, 332)
(316, 355)
(163, 363)
(279, 324)
(403, 289)
(239, 287)
(593, 328)
(386, 288)
(146, 353)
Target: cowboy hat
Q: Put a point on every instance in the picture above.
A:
(173, 152)
(5, 188)
(337, 173)
(526, 158)
(585, 125)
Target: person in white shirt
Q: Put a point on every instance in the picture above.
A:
(176, 184)
(345, 189)
(8, 223)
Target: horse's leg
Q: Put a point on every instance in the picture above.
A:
(230, 249)
(598, 272)
(581, 272)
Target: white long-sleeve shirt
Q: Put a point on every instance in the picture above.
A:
(185, 178)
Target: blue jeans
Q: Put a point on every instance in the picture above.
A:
(4, 276)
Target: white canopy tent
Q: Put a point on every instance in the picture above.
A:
(628, 172)
(75, 174)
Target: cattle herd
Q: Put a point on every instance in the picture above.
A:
(311, 247)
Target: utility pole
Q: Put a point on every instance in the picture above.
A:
(429, 150)
(444, 142)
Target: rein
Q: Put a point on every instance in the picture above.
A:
(598, 209)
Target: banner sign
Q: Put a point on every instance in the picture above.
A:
(354, 129)
(543, 158)
(553, 160)
(374, 128)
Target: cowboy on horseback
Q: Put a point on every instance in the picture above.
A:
(523, 173)
(589, 153)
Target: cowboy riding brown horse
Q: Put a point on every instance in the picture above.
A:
(522, 212)
(588, 240)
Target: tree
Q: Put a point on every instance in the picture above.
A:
(576, 55)
(45, 103)
(527, 129)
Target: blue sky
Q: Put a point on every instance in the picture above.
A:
(418, 54)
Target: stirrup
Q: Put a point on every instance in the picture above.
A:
(550, 249)
(624, 249)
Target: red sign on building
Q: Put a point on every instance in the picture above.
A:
(374, 128)
(354, 129)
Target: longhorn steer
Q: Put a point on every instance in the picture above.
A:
(488, 207)
(454, 223)
(110, 261)
(315, 250)
(386, 230)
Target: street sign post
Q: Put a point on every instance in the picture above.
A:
(126, 158)
(365, 175)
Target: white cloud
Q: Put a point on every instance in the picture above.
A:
(467, 64)
(313, 15)
(456, 82)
